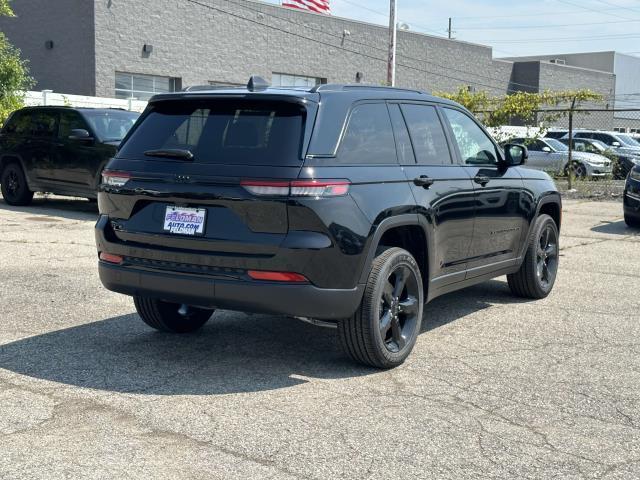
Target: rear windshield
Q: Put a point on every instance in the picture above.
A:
(221, 132)
(110, 125)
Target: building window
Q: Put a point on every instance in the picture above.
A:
(143, 87)
(620, 130)
(217, 83)
(286, 80)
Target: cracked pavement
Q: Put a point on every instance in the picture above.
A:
(496, 387)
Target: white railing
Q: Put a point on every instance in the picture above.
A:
(48, 97)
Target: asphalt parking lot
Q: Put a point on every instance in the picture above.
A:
(496, 387)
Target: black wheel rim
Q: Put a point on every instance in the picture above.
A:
(547, 257)
(399, 308)
(12, 181)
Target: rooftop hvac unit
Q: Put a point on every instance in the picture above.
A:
(558, 61)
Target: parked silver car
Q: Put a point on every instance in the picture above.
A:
(552, 155)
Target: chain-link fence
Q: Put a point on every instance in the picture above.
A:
(588, 151)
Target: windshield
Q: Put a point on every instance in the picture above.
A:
(627, 140)
(600, 145)
(220, 131)
(556, 144)
(110, 125)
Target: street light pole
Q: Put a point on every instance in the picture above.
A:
(393, 38)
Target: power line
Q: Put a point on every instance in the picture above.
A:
(630, 9)
(521, 27)
(601, 12)
(624, 36)
(386, 15)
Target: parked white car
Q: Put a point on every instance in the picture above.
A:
(549, 154)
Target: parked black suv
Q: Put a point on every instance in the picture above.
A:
(58, 150)
(346, 204)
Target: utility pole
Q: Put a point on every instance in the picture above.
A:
(450, 29)
(393, 38)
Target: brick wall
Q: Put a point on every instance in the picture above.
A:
(201, 45)
(69, 66)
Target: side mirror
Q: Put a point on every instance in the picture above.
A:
(515, 154)
(615, 144)
(546, 149)
(80, 134)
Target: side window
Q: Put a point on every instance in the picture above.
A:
(476, 148)
(403, 141)
(608, 139)
(534, 145)
(70, 121)
(20, 124)
(43, 124)
(369, 137)
(429, 140)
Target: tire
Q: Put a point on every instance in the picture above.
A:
(14, 186)
(538, 271)
(632, 222)
(579, 170)
(166, 317)
(385, 327)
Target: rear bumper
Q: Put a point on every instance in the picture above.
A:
(260, 297)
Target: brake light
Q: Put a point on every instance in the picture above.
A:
(297, 188)
(115, 179)
(111, 258)
(277, 276)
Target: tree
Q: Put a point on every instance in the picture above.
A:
(527, 107)
(14, 74)
(541, 108)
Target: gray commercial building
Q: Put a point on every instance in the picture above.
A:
(134, 48)
(626, 68)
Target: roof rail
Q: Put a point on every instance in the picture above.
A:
(354, 86)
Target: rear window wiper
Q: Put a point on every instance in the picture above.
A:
(176, 153)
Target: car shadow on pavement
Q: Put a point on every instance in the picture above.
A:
(233, 353)
(57, 207)
(615, 228)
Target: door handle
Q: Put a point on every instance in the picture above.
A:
(423, 181)
(481, 180)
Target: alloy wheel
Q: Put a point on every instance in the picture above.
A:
(547, 257)
(12, 183)
(399, 308)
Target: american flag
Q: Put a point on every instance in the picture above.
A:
(318, 6)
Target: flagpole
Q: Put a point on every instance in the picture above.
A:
(393, 38)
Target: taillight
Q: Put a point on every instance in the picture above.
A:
(115, 179)
(277, 276)
(319, 188)
(261, 188)
(111, 258)
(297, 188)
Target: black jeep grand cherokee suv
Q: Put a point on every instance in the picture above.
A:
(60, 150)
(347, 204)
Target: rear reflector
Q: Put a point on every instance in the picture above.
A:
(278, 276)
(297, 188)
(110, 258)
(115, 179)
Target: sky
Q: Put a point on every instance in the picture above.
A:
(516, 28)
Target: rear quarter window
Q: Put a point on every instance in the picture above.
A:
(368, 138)
(222, 132)
(19, 124)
